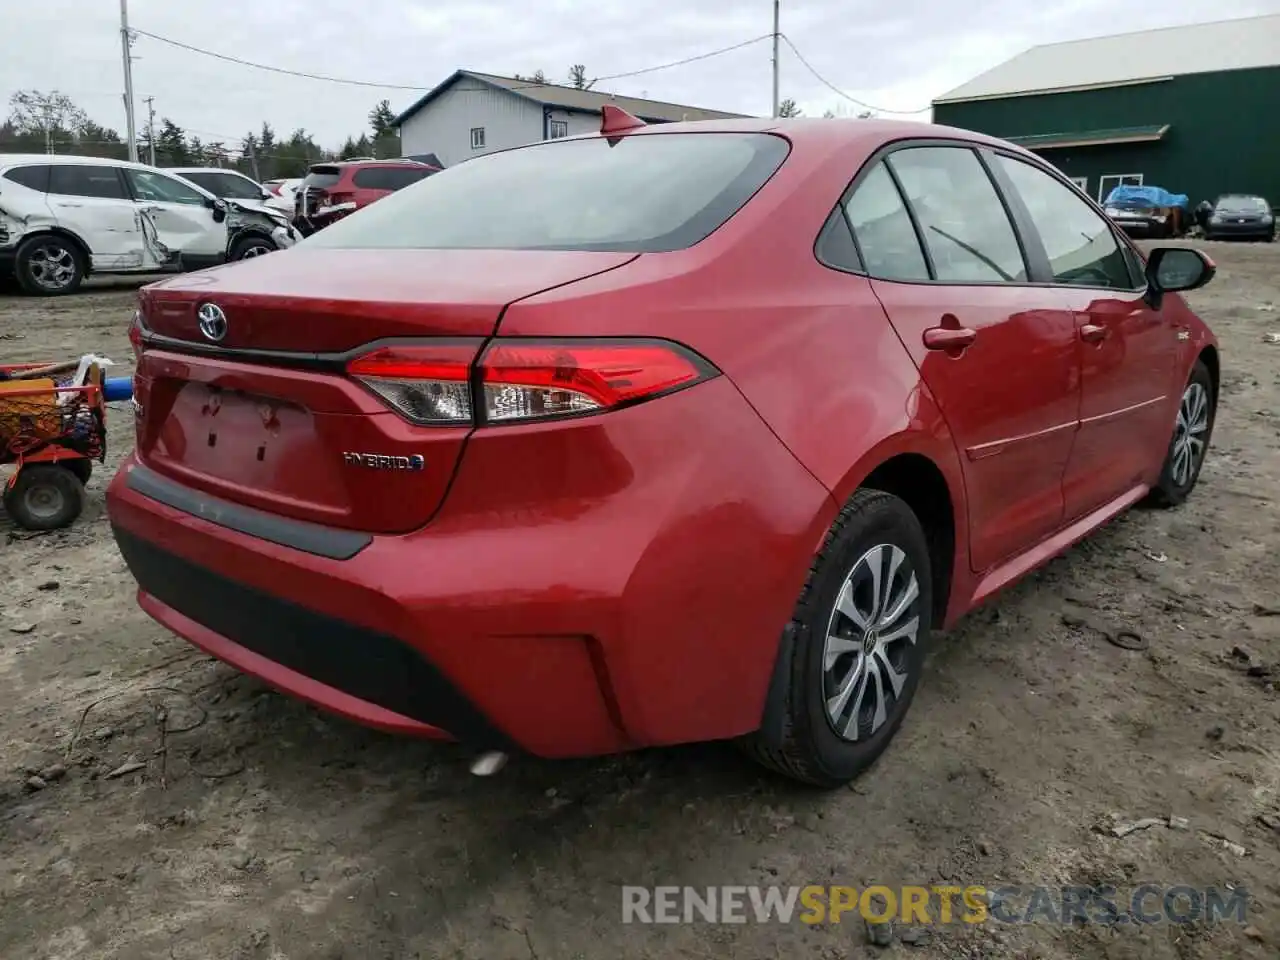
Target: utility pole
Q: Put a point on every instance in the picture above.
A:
(776, 4)
(126, 40)
(48, 129)
(253, 161)
(151, 128)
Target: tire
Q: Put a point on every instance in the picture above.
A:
(254, 245)
(45, 496)
(49, 265)
(1194, 423)
(811, 743)
(81, 468)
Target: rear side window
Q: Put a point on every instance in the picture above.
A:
(77, 180)
(1082, 249)
(322, 178)
(882, 227)
(963, 222)
(37, 178)
(640, 193)
(388, 178)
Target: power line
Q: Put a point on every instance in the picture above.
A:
(834, 89)
(421, 89)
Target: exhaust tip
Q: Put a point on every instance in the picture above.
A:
(487, 764)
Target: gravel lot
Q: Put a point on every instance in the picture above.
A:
(259, 828)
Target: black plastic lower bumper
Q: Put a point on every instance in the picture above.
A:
(374, 667)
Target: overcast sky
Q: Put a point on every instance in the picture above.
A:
(896, 55)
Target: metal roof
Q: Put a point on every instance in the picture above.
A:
(1130, 58)
(1092, 138)
(571, 98)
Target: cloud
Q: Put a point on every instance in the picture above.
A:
(896, 56)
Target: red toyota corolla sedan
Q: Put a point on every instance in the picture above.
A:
(672, 433)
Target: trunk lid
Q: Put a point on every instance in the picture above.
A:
(265, 417)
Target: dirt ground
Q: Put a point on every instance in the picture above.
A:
(259, 828)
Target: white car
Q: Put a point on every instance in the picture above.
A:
(283, 192)
(63, 218)
(234, 185)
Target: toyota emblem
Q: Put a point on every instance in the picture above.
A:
(213, 322)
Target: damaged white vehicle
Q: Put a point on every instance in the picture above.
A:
(63, 218)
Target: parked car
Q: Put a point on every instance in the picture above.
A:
(330, 191)
(63, 218)
(282, 191)
(1149, 211)
(674, 433)
(233, 185)
(1242, 216)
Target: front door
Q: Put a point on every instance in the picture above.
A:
(1128, 351)
(90, 200)
(176, 219)
(998, 354)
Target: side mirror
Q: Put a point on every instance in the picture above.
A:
(219, 210)
(1176, 270)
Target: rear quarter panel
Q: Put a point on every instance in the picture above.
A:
(809, 347)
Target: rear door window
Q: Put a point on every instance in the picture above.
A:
(962, 220)
(34, 177)
(85, 180)
(882, 227)
(642, 193)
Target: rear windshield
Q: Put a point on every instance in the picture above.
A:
(1243, 205)
(647, 193)
(322, 177)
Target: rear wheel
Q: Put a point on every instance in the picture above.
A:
(44, 496)
(1191, 432)
(49, 265)
(860, 629)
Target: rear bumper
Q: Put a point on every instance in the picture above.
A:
(629, 591)
(1242, 231)
(1141, 228)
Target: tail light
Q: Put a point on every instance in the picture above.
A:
(519, 381)
(135, 335)
(424, 383)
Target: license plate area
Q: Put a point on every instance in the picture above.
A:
(248, 445)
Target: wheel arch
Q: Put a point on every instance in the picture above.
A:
(65, 234)
(1209, 356)
(920, 483)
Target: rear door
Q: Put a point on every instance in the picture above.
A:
(178, 213)
(1128, 351)
(91, 201)
(997, 352)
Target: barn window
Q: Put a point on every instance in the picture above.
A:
(477, 138)
(1108, 182)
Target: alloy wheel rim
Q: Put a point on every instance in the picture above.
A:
(1189, 434)
(257, 250)
(866, 657)
(43, 502)
(52, 266)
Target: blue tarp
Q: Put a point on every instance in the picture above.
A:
(1146, 196)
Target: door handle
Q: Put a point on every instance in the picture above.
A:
(949, 338)
(63, 203)
(1093, 332)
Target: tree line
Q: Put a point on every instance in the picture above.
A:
(51, 122)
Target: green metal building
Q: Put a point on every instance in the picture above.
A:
(1192, 109)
